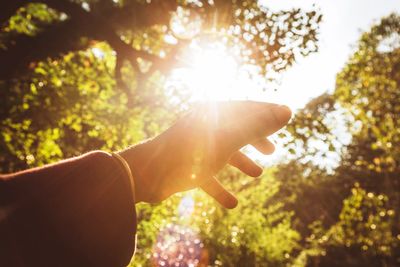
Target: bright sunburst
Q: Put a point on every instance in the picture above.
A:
(212, 73)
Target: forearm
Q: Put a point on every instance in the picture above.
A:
(81, 206)
(37, 182)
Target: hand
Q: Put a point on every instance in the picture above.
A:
(194, 149)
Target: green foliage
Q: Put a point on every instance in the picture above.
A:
(77, 79)
(90, 75)
(30, 19)
(257, 233)
(351, 217)
(262, 238)
(84, 75)
(67, 107)
(365, 222)
(370, 85)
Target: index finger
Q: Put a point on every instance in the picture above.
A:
(245, 122)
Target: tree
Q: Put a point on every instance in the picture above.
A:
(84, 75)
(354, 222)
(61, 55)
(136, 29)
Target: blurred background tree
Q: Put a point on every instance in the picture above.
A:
(82, 75)
(351, 212)
(79, 75)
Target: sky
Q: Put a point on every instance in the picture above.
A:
(213, 76)
(342, 25)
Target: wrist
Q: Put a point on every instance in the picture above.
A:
(137, 159)
(128, 173)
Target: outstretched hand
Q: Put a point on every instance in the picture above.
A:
(193, 150)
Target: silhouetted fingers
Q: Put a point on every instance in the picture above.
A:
(245, 164)
(267, 119)
(216, 190)
(264, 146)
(246, 122)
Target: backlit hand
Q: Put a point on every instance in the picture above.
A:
(194, 149)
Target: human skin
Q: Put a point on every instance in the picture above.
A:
(191, 152)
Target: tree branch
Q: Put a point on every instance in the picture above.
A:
(8, 8)
(58, 39)
(64, 37)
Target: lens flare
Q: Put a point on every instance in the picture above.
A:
(179, 246)
(186, 206)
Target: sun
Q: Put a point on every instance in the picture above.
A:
(211, 73)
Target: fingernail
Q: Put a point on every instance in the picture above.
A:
(232, 203)
(282, 113)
